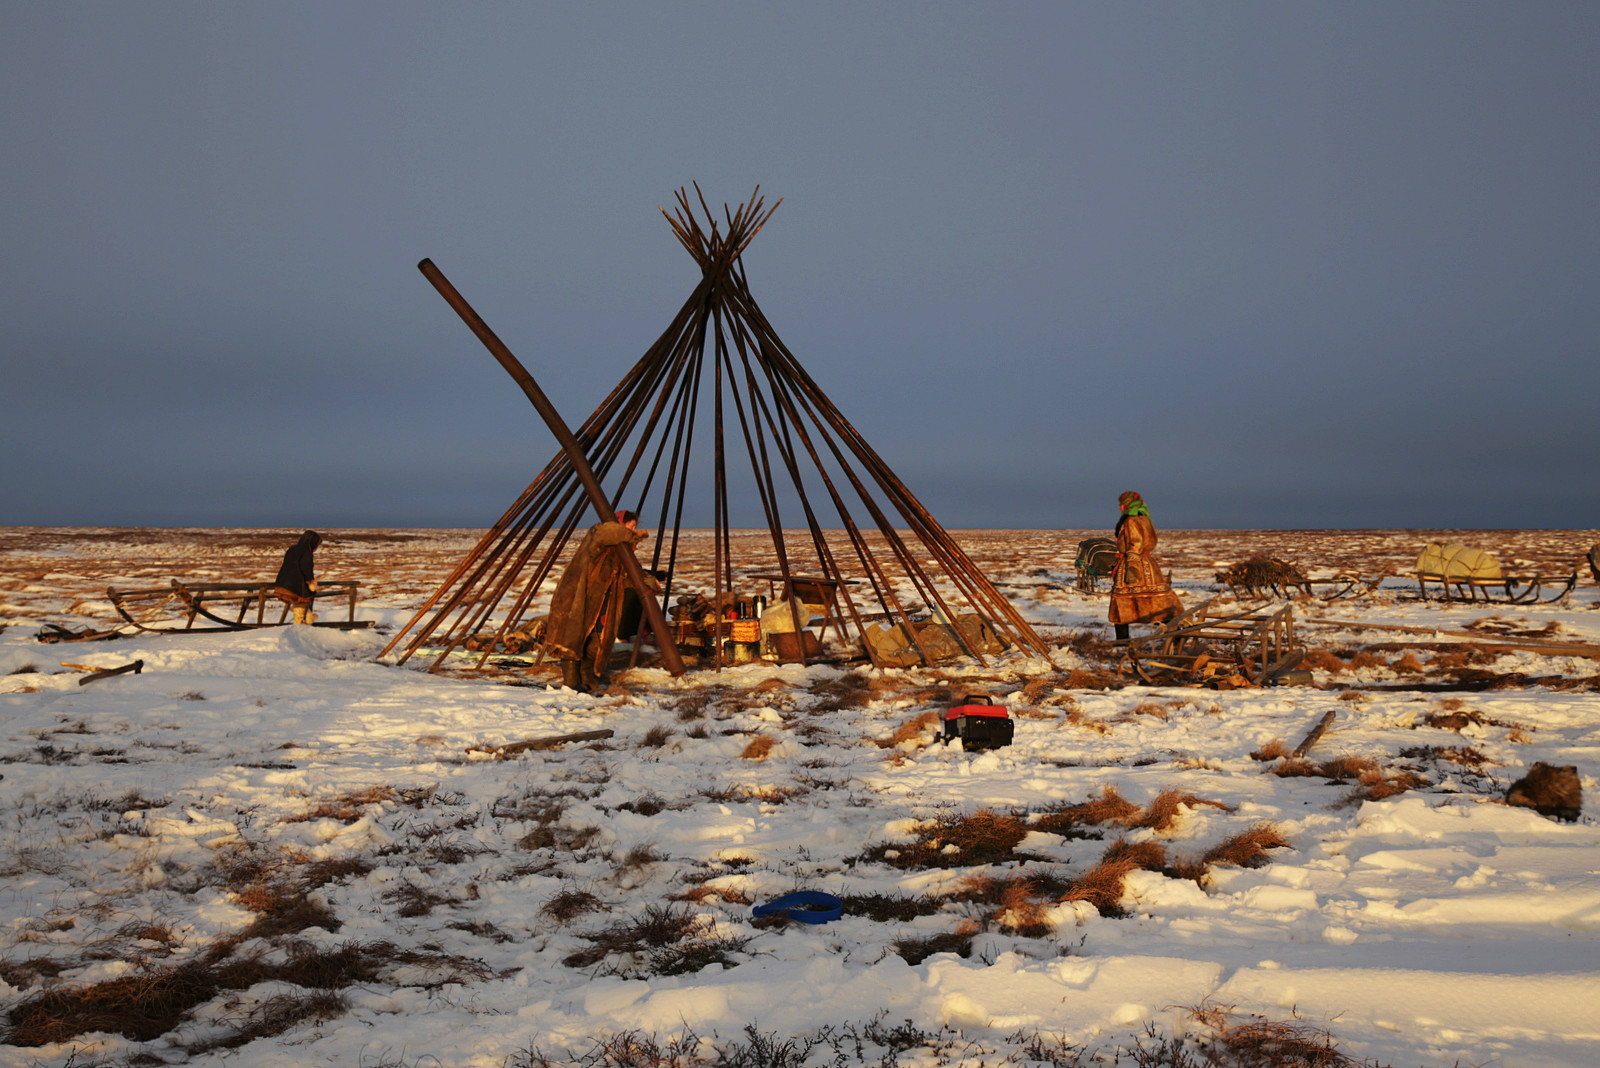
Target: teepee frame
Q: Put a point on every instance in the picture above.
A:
(719, 344)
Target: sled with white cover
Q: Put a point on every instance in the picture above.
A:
(1464, 573)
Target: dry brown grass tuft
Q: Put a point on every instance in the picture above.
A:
(1022, 912)
(1076, 717)
(414, 900)
(1036, 689)
(1348, 767)
(1102, 886)
(1339, 769)
(850, 690)
(1466, 756)
(145, 1006)
(28, 973)
(984, 837)
(274, 1016)
(1377, 785)
(639, 857)
(753, 792)
(889, 908)
(656, 928)
(1089, 644)
(1084, 679)
(1407, 664)
(914, 729)
(760, 747)
(349, 807)
(1274, 749)
(956, 841)
(139, 1007)
(289, 915)
(1149, 708)
(655, 737)
(1457, 718)
(1109, 807)
(664, 941)
(1146, 856)
(1162, 813)
(318, 873)
(702, 892)
(1008, 890)
(562, 839)
(1247, 849)
(1254, 1042)
(1319, 659)
(648, 805)
(916, 950)
(570, 904)
(699, 702)
(277, 887)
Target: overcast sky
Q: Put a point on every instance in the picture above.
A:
(1272, 265)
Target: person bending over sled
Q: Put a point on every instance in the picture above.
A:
(297, 581)
(588, 601)
(1140, 593)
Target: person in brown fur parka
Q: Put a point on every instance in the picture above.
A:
(583, 612)
(1140, 593)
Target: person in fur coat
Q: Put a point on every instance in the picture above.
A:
(296, 583)
(1140, 592)
(582, 625)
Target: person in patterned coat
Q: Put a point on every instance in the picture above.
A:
(1140, 592)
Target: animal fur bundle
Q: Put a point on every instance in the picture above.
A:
(1262, 573)
(1550, 791)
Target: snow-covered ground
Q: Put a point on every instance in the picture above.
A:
(278, 800)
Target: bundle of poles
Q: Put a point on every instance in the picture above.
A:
(639, 441)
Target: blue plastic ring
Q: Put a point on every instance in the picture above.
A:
(807, 906)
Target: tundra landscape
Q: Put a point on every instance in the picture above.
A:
(270, 847)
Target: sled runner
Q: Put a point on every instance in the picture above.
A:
(199, 607)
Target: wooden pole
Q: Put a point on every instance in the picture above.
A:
(569, 444)
(1314, 735)
(1487, 641)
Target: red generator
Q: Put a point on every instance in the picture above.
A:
(979, 723)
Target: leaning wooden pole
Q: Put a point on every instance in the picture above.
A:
(569, 445)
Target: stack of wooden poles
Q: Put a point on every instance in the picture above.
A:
(640, 442)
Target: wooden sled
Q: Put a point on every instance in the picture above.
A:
(1506, 589)
(1208, 641)
(202, 607)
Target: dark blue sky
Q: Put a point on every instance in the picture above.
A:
(1273, 265)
